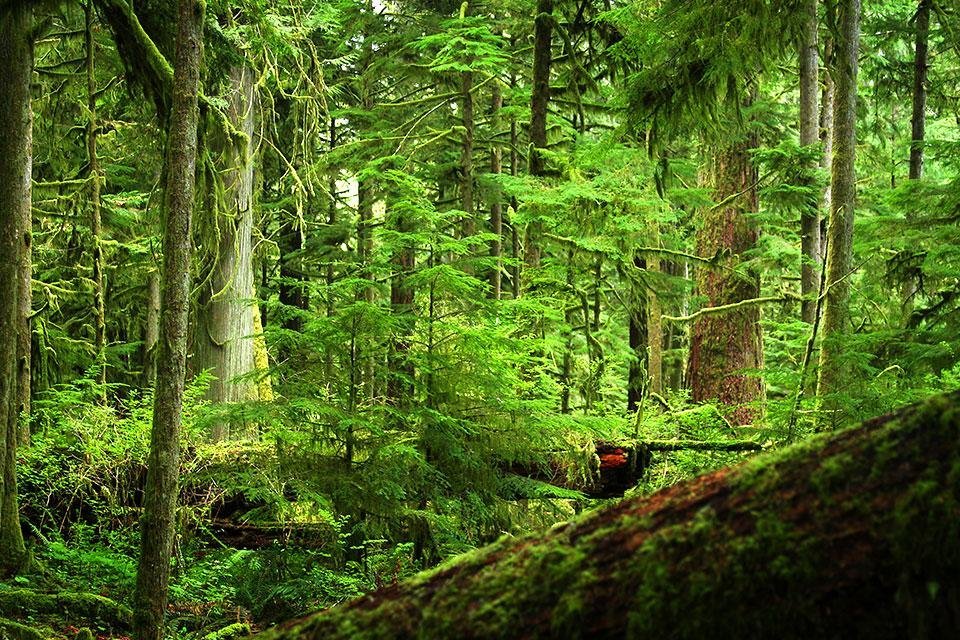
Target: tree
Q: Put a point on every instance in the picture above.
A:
(726, 349)
(158, 523)
(16, 155)
(836, 313)
(809, 135)
(223, 333)
(744, 551)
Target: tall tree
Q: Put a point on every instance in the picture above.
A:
(158, 522)
(809, 135)
(95, 179)
(224, 322)
(539, 108)
(725, 346)
(16, 158)
(921, 65)
(836, 312)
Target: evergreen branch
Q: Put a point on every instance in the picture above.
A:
(724, 308)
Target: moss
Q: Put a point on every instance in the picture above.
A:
(854, 534)
(235, 630)
(84, 634)
(71, 606)
(12, 630)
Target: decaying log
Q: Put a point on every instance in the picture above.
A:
(850, 534)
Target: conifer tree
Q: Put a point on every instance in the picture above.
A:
(158, 522)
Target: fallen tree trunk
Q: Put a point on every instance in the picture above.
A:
(850, 534)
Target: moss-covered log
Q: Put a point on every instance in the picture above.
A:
(850, 534)
(72, 607)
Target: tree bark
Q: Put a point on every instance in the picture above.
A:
(151, 329)
(16, 163)
(723, 346)
(638, 337)
(468, 226)
(496, 205)
(160, 496)
(539, 105)
(809, 135)
(920, 66)
(852, 535)
(836, 312)
(918, 120)
(95, 183)
(224, 323)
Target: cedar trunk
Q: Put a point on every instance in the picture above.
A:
(855, 534)
(160, 496)
(16, 131)
(724, 346)
(832, 374)
(223, 340)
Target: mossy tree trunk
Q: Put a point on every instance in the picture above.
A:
(833, 373)
(160, 495)
(724, 347)
(223, 333)
(16, 163)
(95, 178)
(852, 534)
(809, 135)
(539, 107)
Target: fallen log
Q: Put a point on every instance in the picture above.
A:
(850, 534)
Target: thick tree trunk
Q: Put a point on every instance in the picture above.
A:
(852, 535)
(539, 106)
(158, 522)
(809, 135)
(723, 346)
(836, 313)
(655, 328)
(224, 324)
(16, 163)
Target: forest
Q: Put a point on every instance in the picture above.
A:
(493, 319)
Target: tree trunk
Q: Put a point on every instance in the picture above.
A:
(809, 135)
(95, 183)
(400, 374)
(836, 312)
(496, 205)
(16, 163)
(639, 341)
(826, 139)
(468, 226)
(918, 121)
(224, 323)
(539, 105)
(855, 535)
(157, 524)
(920, 66)
(151, 329)
(723, 346)
(655, 327)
